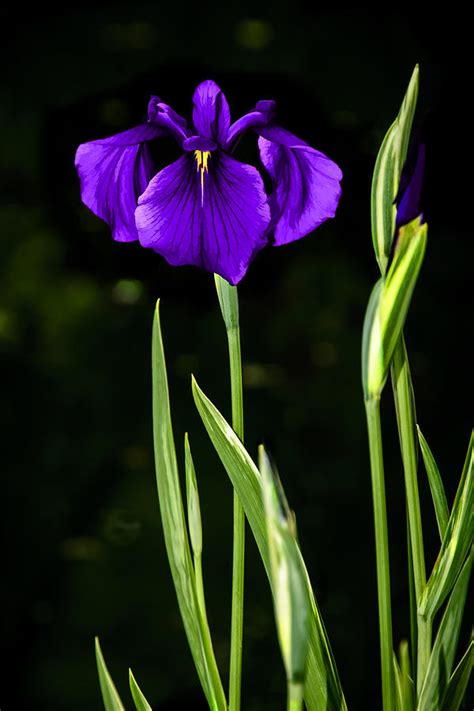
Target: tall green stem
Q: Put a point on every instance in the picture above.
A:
(405, 406)
(228, 299)
(372, 409)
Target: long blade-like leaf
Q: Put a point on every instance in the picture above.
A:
(141, 704)
(288, 577)
(436, 485)
(444, 648)
(110, 695)
(456, 542)
(459, 681)
(397, 675)
(174, 529)
(322, 687)
(388, 167)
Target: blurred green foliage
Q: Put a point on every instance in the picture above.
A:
(82, 545)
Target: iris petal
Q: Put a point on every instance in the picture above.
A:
(113, 173)
(211, 113)
(163, 115)
(305, 181)
(261, 115)
(218, 227)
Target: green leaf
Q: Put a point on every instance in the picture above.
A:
(398, 684)
(192, 496)
(109, 692)
(456, 542)
(386, 178)
(174, 529)
(444, 648)
(290, 594)
(141, 704)
(436, 485)
(322, 687)
(460, 679)
(388, 307)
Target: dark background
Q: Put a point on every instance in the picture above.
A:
(82, 548)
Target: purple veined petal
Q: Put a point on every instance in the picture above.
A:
(218, 224)
(410, 194)
(211, 114)
(260, 116)
(113, 173)
(306, 184)
(163, 115)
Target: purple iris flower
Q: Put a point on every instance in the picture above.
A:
(207, 208)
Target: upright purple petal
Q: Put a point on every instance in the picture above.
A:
(306, 184)
(164, 116)
(217, 220)
(113, 173)
(211, 114)
(261, 115)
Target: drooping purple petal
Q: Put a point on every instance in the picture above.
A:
(113, 173)
(211, 114)
(306, 184)
(216, 220)
(261, 115)
(163, 115)
(410, 194)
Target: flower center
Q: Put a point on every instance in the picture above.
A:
(202, 158)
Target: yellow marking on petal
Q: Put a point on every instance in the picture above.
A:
(202, 158)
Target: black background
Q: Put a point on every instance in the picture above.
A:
(82, 544)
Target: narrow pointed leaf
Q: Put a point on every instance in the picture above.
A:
(322, 686)
(386, 178)
(456, 542)
(397, 674)
(436, 485)
(444, 648)
(174, 529)
(141, 704)
(192, 496)
(290, 594)
(459, 681)
(110, 695)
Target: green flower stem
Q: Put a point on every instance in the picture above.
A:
(404, 401)
(236, 634)
(372, 408)
(413, 605)
(294, 697)
(228, 300)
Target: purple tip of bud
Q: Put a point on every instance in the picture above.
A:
(409, 200)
